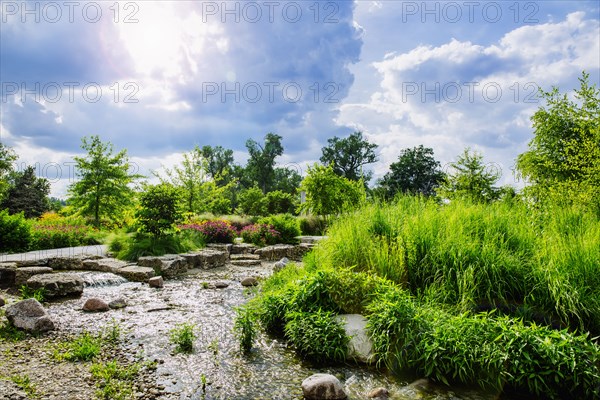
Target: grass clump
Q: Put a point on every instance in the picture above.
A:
(183, 336)
(11, 334)
(244, 328)
(114, 381)
(25, 384)
(130, 247)
(27, 293)
(84, 347)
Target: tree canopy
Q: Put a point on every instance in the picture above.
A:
(7, 158)
(348, 156)
(261, 164)
(219, 163)
(27, 193)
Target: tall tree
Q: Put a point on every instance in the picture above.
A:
(7, 158)
(415, 172)
(563, 160)
(261, 164)
(27, 193)
(102, 190)
(286, 180)
(471, 179)
(189, 178)
(348, 156)
(219, 163)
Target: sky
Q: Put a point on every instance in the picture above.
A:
(160, 77)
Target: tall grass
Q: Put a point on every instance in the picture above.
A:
(542, 266)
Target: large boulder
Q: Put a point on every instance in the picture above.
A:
(243, 248)
(169, 265)
(104, 265)
(95, 305)
(136, 273)
(207, 258)
(29, 315)
(360, 346)
(58, 284)
(249, 281)
(279, 251)
(226, 247)
(22, 275)
(323, 387)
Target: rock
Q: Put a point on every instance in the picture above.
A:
(220, 285)
(2, 302)
(95, 305)
(279, 265)
(57, 285)
(323, 387)
(22, 275)
(246, 263)
(360, 346)
(226, 247)
(379, 393)
(75, 262)
(169, 265)
(136, 274)
(244, 257)
(35, 262)
(249, 281)
(29, 315)
(243, 248)
(104, 265)
(418, 389)
(278, 251)
(310, 239)
(211, 258)
(156, 282)
(7, 274)
(118, 303)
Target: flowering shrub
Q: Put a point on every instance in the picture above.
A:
(260, 234)
(217, 231)
(53, 236)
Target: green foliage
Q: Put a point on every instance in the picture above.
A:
(415, 172)
(24, 382)
(131, 247)
(52, 231)
(183, 336)
(15, 232)
(84, 347)
(279, 202)
(260, 235)
(114, 381)
(328, 193)
(213, 231)
(470, 179)
(103, 188)
(7, 159)
(286, 224)
(252, 202)
(244, 328)
(261, 164)
(159, 209)
(286, 180)
(28, 293)
(563, 161)
(27, 193)
(348, 156)
(9, 333)
(218, 161)
(312, 225)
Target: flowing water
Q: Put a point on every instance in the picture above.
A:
(217, 369)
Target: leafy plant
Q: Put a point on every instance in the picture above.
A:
(10, 333)
(15, 232)
(29, 293)
(84, 347)
(114, 381)
(286, 225)
(183, 337)
(159, 209)
(260, 234)
(24, 382)
(244, 328)
(217, 231)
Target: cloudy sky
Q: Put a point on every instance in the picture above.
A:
(159, 77)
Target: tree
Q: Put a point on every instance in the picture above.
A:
(563, 160)
(328, 193)
(470, 179)
(279, 202)
(27, 193)
(261, 164)
(415, 172)
(348, 156)
(252, 202)
(7, 158)
(102, 190)
(286, 180)
(219, 162)
(159, 209)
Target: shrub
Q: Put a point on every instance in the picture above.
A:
(279, 202)
(312, 225)
(55, 235)
(159, 209)
(217, 231)
(28, 293)
(286, 224)
(260, 234)
(15, 232)
(131, 247)
(252, 202)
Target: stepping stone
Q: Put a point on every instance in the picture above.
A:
(136, 274)
(245, 263)
(22, 275)
(244, 257)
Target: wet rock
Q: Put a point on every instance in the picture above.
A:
(379, 393)
(360, 346)
(57, 285)
(418, 389)
(136, 274)
(278, 251)
(104, 265)
(279, 265)
(118, 303)
(249, 281)
(95, 305)
(243, 248)
(169, 265)
(323, 387)
(156, 282)
(220, 285)
(29, 315)
(2, 302)
(23, 274)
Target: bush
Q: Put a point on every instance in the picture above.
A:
(159, 209)
(252, 202)
(56, 235)
(260, 235)
(15, 232)
(312, 225)
(279, 202)
(131, 247)
(244, 328)
(217, 231)
(286, 224)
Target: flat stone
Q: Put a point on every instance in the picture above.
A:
(243, 248)
(278, 251)
(104, 265)
(226, 247)
(245, 263)
(249, 281)
(156, 282)
(212, 258)
(360, 346)
(61, 284)
(23, 274)
(136, 273)
(279, 265)
(69, 263)
(117, 303)
(323, 387)
(34, 262)
(29, 315)
(244, 256)
(220, 285)
(95, 305)
(310, 239)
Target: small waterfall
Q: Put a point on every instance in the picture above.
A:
(100, 279)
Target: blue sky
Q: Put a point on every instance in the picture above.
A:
(158, 77)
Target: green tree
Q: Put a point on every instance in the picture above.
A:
(219, 163)
(563, 160)
(261, 164)
(252, 202)
(189, 178)
(328, 193)
(349, 155)
(27, 193)
(415, 172)
(103, 188)
(7, 159)
(159, 209)
(286, 180)
(471, 179)
(279, 202)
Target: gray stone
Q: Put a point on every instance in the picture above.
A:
(104, 265)
(278, 251)
(34, 262)
(378, 393)
(95, 305)
(59, 284)
(249, 281)
(310, 239)
(279, 265)
(169, 265)
(212, 258)
(156, 282)
(243, 248)
(29, 315)
(7, 274)
(118, 303)
(136, 273)
(226, 247)
(360, 346)
(246, 263)
(244, 256)
(70, 263)
(22, 275)
(323, 387)
(220, 285)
